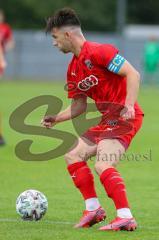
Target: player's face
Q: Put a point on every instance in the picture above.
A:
(61, 40)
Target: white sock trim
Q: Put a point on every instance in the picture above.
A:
(92, 204)
(124, 213)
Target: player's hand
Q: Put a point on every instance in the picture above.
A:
(48, 121)
(128, 112)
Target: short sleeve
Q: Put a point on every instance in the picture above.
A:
(104, 54)
(9, 34)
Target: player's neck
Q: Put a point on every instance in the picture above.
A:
(77, 46)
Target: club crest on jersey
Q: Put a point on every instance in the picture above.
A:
(87, 83)
(88, 63)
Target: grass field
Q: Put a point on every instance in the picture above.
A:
(51, 177)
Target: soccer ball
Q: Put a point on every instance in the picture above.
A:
(31, 205)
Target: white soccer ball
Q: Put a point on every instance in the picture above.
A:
(31, 205)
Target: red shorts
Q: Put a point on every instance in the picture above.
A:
(128, 130)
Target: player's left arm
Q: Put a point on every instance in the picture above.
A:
(10, 44)
(122, 67)
(2, 59)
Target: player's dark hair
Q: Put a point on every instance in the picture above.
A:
(61, 18)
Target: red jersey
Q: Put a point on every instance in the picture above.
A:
(88, 74)
(5, 34)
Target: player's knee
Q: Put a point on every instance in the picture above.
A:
(69, 158)
(100, 167)
(72, 157)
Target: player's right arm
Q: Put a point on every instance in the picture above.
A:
(77, 107)
(2, 59)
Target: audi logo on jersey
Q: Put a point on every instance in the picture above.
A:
(88, 83)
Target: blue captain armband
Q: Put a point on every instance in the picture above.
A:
(116, 63)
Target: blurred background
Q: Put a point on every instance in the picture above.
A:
(35, 68)
(132, 26)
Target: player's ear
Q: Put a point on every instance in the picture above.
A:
(67, 35)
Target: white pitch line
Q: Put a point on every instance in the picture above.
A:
(45, 221)
(54, 222)
(11, 220)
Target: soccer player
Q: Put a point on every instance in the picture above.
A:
(6, 43)
(6, 36)
(97, 71)
(151, 60)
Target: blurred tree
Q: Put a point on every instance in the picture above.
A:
(144, 12)
(19, 15)
(95, 15)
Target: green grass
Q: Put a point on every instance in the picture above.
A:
(51, 177)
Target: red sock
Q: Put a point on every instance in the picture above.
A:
(115, 187)
(83, 179)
